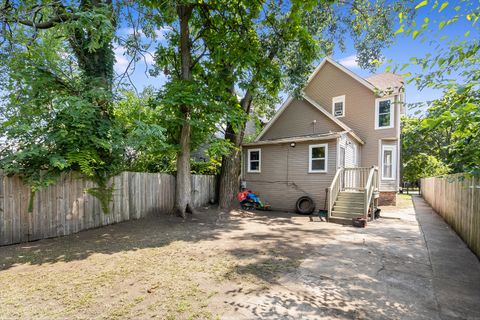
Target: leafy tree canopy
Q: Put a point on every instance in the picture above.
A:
(451, 122)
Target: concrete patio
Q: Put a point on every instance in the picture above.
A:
(242, 265)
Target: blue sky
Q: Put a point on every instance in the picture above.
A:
(400, 52)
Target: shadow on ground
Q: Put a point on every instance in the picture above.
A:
(241, 265)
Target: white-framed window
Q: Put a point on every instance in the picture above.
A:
(338, 106)
(318, 158)
(254, 160)
(384, 113)
(388, 162)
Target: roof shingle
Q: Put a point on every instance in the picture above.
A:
(387, 81)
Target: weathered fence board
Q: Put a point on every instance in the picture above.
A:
(66, 208)
(457, 199)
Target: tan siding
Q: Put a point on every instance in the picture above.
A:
(359, 108)
(297, 120)
(285, 178)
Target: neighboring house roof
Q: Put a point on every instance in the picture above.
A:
(310, 137)
(387, 82)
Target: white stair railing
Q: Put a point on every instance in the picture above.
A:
(334, 190)
(354, 179)
(371, 186)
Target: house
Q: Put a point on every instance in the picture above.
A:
(343, 135)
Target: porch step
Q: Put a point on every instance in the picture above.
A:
(349, 208)
(349, 203)
(343, 214)
(344, 195)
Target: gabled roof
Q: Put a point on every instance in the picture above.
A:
(275, 117)
(375, 83)
(331, 117)
(309, 137)
(319, 108)
(342, 68)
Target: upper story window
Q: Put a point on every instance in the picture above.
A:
(338, 106)
(317, 158)
(384, 113)
(254, 160)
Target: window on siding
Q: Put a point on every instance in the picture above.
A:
(384, 114)
(338, 106)
(318, 155)
(254, 160)
(388, 162)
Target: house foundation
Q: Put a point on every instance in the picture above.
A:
(387, 198)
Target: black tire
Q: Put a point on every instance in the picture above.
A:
(305, 205)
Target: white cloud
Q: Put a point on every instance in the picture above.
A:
(161, 33)
(349, 62)
(121, 59)
(149, 57)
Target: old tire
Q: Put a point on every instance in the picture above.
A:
(305, 205)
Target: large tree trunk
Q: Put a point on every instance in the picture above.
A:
(183, 181)
(231, 163)
(183, 197)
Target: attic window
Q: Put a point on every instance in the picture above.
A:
(338, 106)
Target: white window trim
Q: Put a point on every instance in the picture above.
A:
(392, 113)
(259, 161)
(335, 100)
(310, 147)
(392, 148)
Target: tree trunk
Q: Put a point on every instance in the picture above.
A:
(183, 181)
(231, 163)
(183, 196)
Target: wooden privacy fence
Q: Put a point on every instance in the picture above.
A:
(457, 199)
(65, 208)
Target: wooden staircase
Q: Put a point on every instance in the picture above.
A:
(352, 194)
(348, 205)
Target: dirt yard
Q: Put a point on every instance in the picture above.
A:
(229, 266)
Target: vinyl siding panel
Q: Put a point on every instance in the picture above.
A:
(297, 120)
(351, 151)
(359, 108)
(285, 177)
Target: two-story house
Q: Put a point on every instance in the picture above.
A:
(343, 136)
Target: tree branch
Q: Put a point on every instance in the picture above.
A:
(50, 23)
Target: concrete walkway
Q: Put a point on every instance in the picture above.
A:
(456, 270)
(407, 265)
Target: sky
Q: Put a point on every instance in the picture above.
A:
(400, 52)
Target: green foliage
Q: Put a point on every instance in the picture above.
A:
(57, 94)
(149, 146)
(457, 114)
(452, 122)
(421, 166)
(151, 130)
